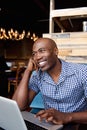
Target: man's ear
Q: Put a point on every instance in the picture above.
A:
(56, 51)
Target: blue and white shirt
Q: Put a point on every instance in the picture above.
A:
(69, 94)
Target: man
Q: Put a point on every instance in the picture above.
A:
(63, 85)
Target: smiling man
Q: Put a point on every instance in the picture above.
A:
(63, 85)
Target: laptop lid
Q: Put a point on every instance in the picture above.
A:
(10, 115)
(11, 118)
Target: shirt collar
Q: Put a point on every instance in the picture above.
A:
(66, 70)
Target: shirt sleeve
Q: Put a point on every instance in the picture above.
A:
(84, 80)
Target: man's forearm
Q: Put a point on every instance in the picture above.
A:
(21, 93)
(79, 117)
(25, 79)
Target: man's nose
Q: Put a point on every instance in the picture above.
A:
(38, 55)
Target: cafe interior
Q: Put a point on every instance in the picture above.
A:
(20, 26)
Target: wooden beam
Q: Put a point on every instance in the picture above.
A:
(81, 12)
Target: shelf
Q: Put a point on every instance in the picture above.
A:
(58, 15)
(71, 12)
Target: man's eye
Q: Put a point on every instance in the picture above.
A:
(42, 50)
(39, 51)
(33, 54)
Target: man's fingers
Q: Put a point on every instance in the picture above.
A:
(40, 112)
(57, 122)
(49, 119)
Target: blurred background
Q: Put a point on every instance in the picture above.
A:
(21, 23)
(32, 15)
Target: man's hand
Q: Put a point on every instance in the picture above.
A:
(54, 116)
(32, 65)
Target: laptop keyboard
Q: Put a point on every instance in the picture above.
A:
(32, 126)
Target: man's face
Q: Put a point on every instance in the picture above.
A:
(44, 55)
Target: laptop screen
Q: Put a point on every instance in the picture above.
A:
(10, 115)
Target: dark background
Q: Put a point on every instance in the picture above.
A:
(31, 15)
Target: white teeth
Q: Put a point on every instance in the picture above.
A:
(41, 63)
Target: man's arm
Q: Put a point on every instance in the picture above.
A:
(23, 95)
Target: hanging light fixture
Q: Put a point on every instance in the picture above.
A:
(15, 35)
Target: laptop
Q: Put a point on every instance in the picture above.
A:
(11, 118)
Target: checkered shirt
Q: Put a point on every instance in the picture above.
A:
(69, 94)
